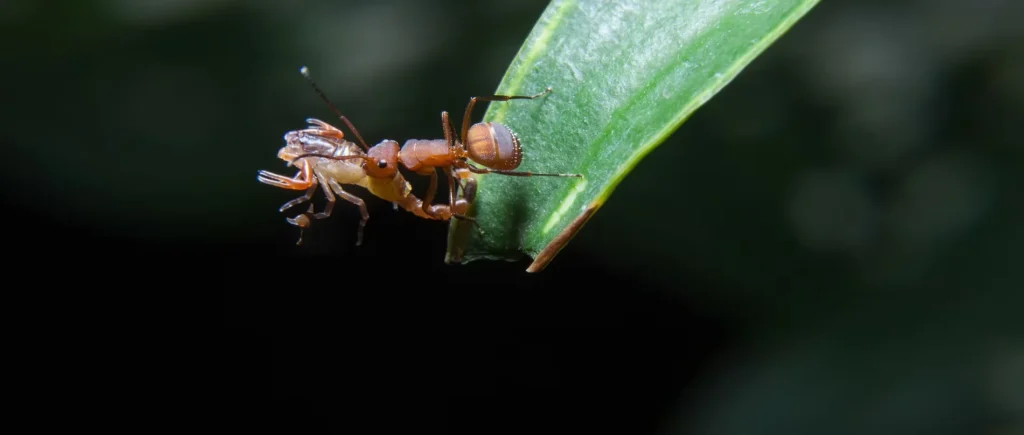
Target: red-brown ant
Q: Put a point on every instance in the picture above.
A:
(490, 144)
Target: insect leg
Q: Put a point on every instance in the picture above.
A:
(358, 202)
(302, 221)
(278, 180)
(468, 189)
(449, 130)
(473, 100)
(330, 199)
(429, 198)
(451, 198)
(322, 129)
(301, 181)
(518, 173)
(306, 197)
(460, 207)
(453, 188)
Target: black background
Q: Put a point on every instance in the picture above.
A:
(832, 244)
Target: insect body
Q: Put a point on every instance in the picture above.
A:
(490, 144)
(326, 159)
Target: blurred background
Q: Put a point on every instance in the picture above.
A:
(832, 244)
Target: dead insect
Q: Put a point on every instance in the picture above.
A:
(325, 158)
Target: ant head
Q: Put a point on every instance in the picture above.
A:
(382, 161)
(493, 145)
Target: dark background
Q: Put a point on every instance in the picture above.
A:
(833, 244)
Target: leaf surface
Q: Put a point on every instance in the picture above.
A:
(625, 74)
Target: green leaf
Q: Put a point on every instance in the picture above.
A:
(625, 74)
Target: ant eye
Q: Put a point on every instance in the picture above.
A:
(382, 164)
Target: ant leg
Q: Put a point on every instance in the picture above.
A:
(429, 198)
(469, 190)
(518, 173)
(358, 202)
(467, 182)
(463, 186)
(453, 185)
(468, 195)
(452, 189)
(451, 198)
(473, 100)
(449, 130)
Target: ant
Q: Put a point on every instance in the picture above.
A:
(490, 144)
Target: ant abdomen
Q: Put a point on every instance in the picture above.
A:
(493, 145)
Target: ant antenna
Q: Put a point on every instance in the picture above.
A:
(305, 73)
